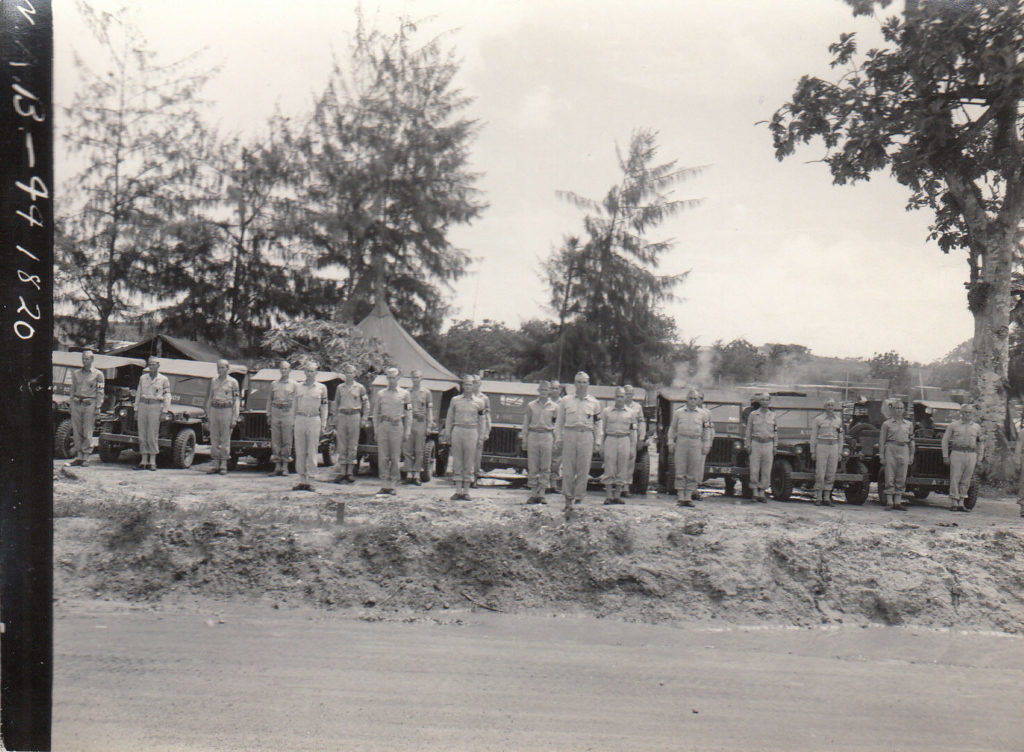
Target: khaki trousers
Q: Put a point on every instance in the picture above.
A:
(346, 428)
(826, 461)
(389, 452)
(616, 461)
(762, 455)
(897, 462)
(577, 452)
(414, 445)
(282, 434)
(220, 433)
(538, 458)
(464, 441)
(149, 427)
(961, 470)
(307, 442)
(83, 421)
(689, 460)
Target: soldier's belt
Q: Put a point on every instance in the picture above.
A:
(763, 441)
(348, 410)
(616, 435)
(308, 415)
(970, 449)
(217, 403)
(473, 426)
(898, 443)
(151, 400)
(578, 428)
(394, 421)
(283, 405)
(541, 430)
(419, 417)
(76, 398)
(689, 436)
(827, 441)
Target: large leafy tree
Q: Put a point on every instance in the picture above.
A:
(738, 362)
(892, 366)
(385, 174)
(606, 288)
(941, 105)
(133, 127)
(332, 344)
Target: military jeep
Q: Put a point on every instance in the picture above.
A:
(120, 374)
(181, 428)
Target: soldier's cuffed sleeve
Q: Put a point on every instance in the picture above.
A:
(945, 442)
(559, 420)
(883, 436)
(672, 427)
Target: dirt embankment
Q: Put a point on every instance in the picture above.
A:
(648, 561)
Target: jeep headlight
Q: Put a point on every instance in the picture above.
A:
(737, 445)
(799, 450)
(121, 412)
(167, 417)
(846, 451)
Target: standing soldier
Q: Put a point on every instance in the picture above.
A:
(351, 410)
(462, 426)
(310, 422)
(577, 431)
(538, 438)
(761, 440)
(826, 440)
(391, 429)
(422, 418)
(641, 435)
(222, 409)
(696, 495)
(87, 390)
(282, 419)
(485, 432)
(620, 430)
(689, 439)
(152, 399)
(962, 448)
(896, 445)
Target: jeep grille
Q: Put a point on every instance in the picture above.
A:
(502, 442)
(254, 426)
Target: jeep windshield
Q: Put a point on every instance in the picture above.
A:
(724, 412)
(188, 390)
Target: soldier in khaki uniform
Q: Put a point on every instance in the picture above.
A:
(222, 410)
(87, 390)
(696, 495)
(761, 441)
(538, 436)
(391, 410)
(422, 419)
(962, 448)
(689, 439)
(310, 422)
(896, 446)
(577, 430)
(152, 399)
(620, 431)
(641, 435)
(462, 426)
(351, 410)
(282, 419)
(826, 443)
(485, 433)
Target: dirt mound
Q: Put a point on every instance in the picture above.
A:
(642, 562)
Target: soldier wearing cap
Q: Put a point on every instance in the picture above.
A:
(962, 448)
(391, 410)
(351, 410)
(826, 442)
(577, 431)
(462, 427)
(152, 399)
(896, 446)
(689, 439)
(485, 433)
(641, 435)
(538, 436)
(310, 421)
(696, 495)
(620, 431)
(761, 441)
(222, 409)
(87, 390)
(422, 420)
(282, 418)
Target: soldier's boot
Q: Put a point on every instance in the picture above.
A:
(817, 498)
(897, 501)
(826, 498)
(887, 499)
(215, 469)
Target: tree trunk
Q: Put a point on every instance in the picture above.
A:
(989, 384)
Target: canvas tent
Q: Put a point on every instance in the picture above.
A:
(165, 346)
(400, 346)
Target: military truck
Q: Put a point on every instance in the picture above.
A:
(120, 374)
(181, 428)
(435, 457)
(927, 472)
(251, 436)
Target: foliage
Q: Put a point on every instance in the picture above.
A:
(942, 107)
(383, 175)
(892, 366)
(332, 344)
(489, 346)
(133, 125)
(738, 362)
(606, 290)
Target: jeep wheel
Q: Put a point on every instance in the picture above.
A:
(64, 440)
(857, 493)
(109, 452)
(642, 474)
(730, 485)
(972, 495)
(921, 493)
(183, 450)
(782, 480)
(441, 466)
(429, 458)
(330, 451)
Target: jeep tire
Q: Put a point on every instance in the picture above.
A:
(183, 449)
(64, 440)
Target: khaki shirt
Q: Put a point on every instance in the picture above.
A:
(391, 406)
(311, 400)
(761, 425)
(150, 388)
(282, 396)
(825, 427)
(88, 384)
(638, 416)
(421, 404)
(690, 424)
(575, 413)
(465, 412)
(223, 390)
(485, 403)
(540, 416)
(351, 396)
(896, 430)
(961, 435)
(619, 420)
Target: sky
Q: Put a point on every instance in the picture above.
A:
(775, 252)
